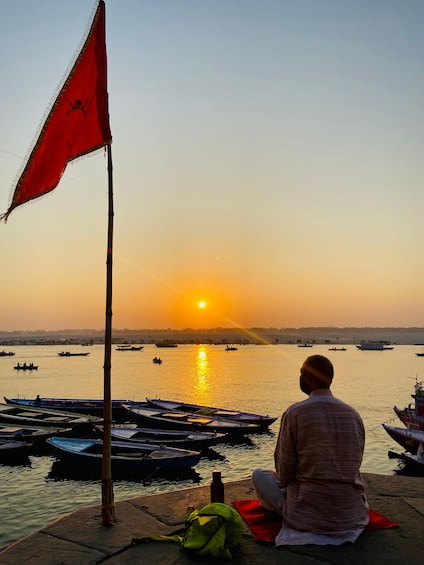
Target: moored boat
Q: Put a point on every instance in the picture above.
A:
(126, 457)
(173, 438)
(31, 416)
(73, 405)
(157, 360)
(337, 349)
(7, 353)
(36, 436)
(413, 415)
(415, 460)
(233, 415)
(408, 438)
(10, 450)
(144, 415)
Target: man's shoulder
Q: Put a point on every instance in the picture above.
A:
(315, 399)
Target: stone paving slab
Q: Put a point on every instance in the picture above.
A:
(80, 537)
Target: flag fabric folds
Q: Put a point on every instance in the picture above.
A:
(78, 122)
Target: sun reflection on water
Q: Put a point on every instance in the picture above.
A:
(203, 374)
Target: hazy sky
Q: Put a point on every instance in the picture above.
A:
(268, 159)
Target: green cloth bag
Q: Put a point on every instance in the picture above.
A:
(211, 531)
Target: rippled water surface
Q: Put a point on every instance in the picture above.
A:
(261, 379)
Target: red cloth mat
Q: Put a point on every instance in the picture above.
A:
(265, 524)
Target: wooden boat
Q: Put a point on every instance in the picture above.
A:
(157, 360)
(34, 436)
(7, 353)
(409, 439)
(419, 354)
(412, 416)
(305, 345)
(337, 349)
(144, 415)
(165, 343)
(231, 348)
(11, 450)
(413, 460)
(32, 416)
(69, 354)
(409, 419)
(128, 347)
(173, 438)
(73, 405)
(25, 367)
(127, 457)
(233, 415)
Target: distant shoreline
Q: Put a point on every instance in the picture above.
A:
(257, 336)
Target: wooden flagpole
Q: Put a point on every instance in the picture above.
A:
(108, 504)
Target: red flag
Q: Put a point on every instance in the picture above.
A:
(78, 121)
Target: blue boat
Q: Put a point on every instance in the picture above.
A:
(126, 457)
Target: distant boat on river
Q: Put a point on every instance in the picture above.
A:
(374, 346)
(69, 354)
(128, 347)
(26, 367)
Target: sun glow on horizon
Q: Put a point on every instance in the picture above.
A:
(201, 304)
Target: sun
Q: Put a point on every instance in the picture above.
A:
(201, 304)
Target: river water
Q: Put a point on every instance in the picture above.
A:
(262, 379)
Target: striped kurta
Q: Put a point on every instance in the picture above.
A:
(317, 459)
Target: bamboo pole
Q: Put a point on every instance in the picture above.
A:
(108, 504)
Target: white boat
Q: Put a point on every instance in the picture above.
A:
(374, 346)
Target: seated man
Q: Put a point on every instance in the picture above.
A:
(317, 486)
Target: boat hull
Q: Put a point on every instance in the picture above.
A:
(144, 415)
(93, 407)
(409, 439)
(11, 450)
(126, 457)
(173, 438)
(233, 415)
(29, 416)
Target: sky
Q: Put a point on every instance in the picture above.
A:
(267, 161)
